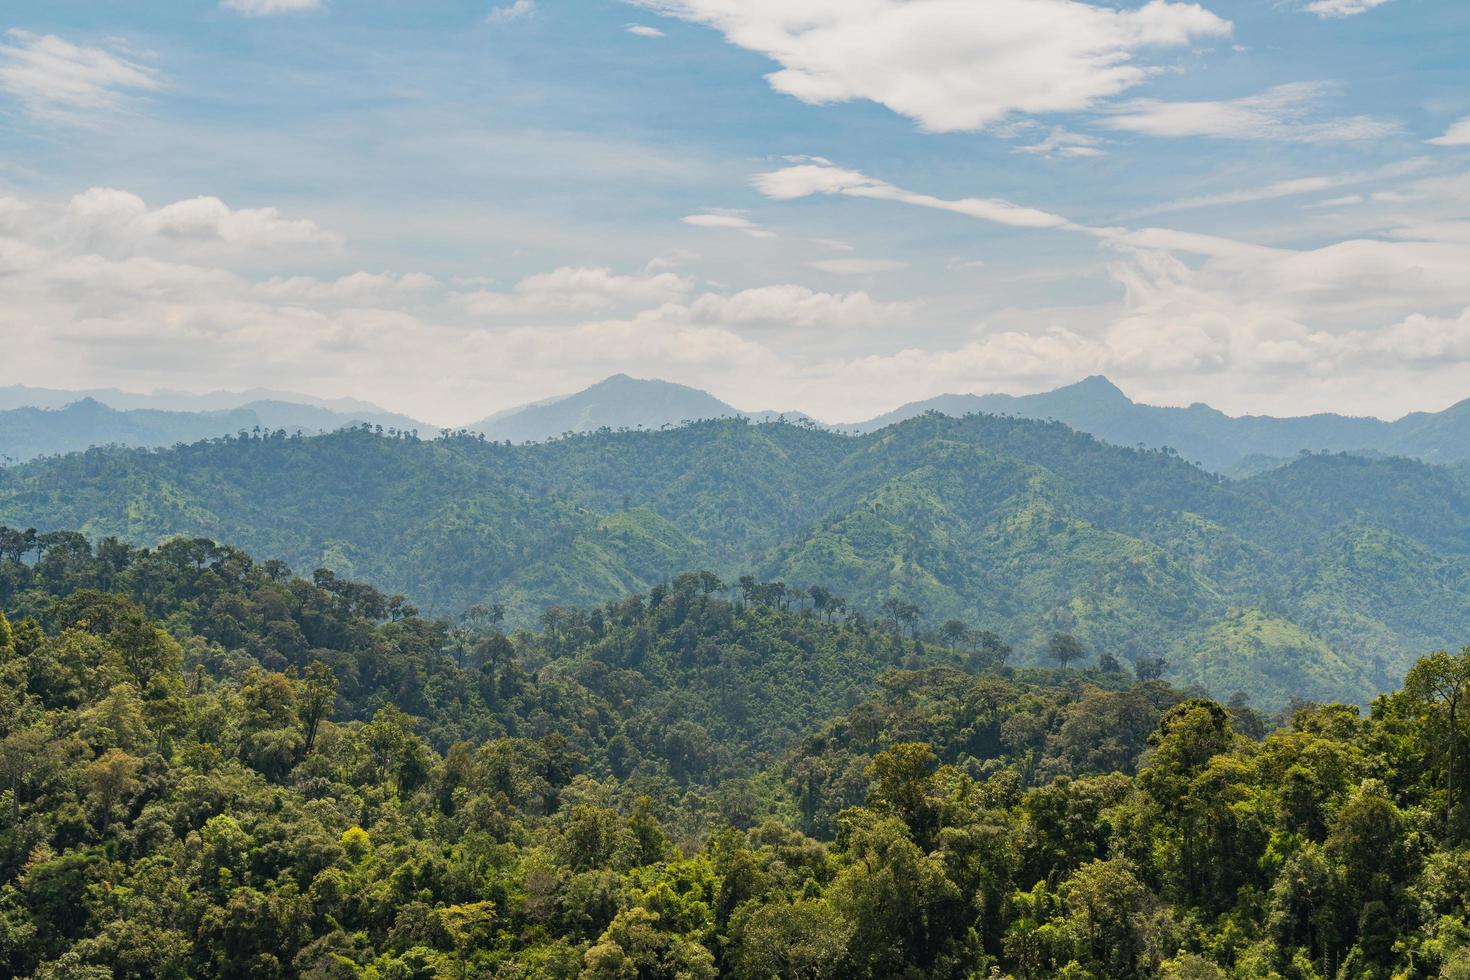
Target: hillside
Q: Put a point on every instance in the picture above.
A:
(216, 770)
(1335, 571)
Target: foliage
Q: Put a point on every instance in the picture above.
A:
(210, 768)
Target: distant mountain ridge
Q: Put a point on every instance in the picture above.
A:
(81, 423)
(1207, 435)
(617, 402)
(1235, 445)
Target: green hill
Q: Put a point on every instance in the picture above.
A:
(1023, 528)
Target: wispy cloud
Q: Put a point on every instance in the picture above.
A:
(1063, 143)
(1341, 8)
(1293, 187)
(520, 10)
(1281, 114)
(857, 267)
(55, 79)
(805, 180)
(1457, 135)
(722, 218)
(643, 30)
(264, 8)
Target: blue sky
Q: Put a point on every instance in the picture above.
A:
(826, 205)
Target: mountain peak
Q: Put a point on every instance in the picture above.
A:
(1097, 386)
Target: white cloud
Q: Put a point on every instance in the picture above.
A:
(1063, 143)
(805, 180)
(199, 219)
(55, 79)
(734, 220)
(520, 10)
(1341, 8)
(579, 289)
(356, 287)
(1233, 308)
(857, 267)
(948, 65)
(1425, 339)
(672, 259)
(1280, 114)
(795, 306)
(1295, 186)
(264, 8)
(643, 30)
(1457, 135)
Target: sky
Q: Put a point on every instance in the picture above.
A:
(832, 206)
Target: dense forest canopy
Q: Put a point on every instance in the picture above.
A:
(214, 768)
(1322, 579)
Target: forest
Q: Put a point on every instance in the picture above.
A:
(1323, 579)
(213, 767)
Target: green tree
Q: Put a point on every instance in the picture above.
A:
(1437, 685)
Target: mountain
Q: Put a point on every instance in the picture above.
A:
(1320, 579)
(1218, 442)
(25, 396)
(618, 402)
(28, 432)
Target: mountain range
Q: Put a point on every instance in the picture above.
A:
(40, 421)
(1233, 445)
(1321, 578)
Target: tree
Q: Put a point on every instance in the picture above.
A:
(1064, 648)
(1437, 686)
(803, 940)
(1149, 668)
(469, 926)
(109, 779)
(899, 781)
(318, 695)
(990, 651)
(952, 632)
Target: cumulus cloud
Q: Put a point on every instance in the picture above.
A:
(355, 287)
(1281, 114)
(201, 219)
(1457, 135)
(952, 66)
(55, 79)
(1195, 303)
(264, 8)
